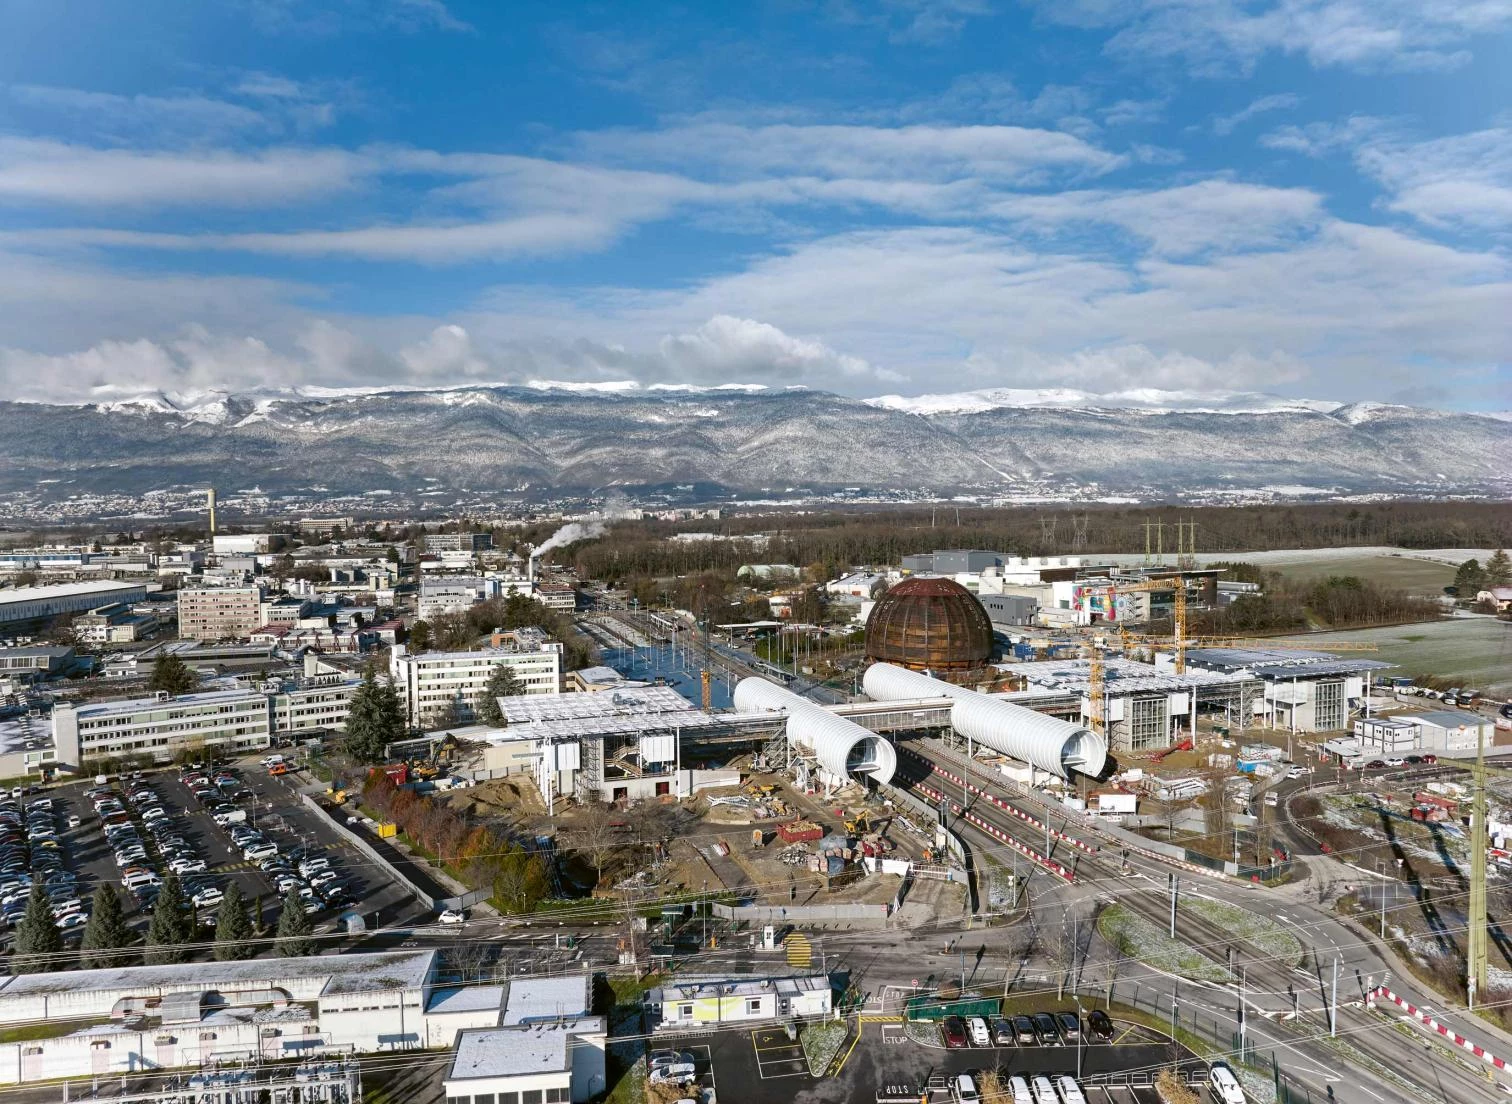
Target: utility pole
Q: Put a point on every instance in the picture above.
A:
(1333, 1003)
(1171, 884)
(1242, 1017)
(1475, 958)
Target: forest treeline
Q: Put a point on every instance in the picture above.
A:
(835, 540)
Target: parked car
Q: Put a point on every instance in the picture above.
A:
(679, 1073)
(1018, 1089)
(963, 1087)
(953, 1031)
(452, 916)
(1044, 1027)
(1070, 1026)
(1023, 1028)
(1101, 1024)
(977, 1028)
(1044, 1092)
(1002, 1032)
(1070, 1091)
(1429, 760)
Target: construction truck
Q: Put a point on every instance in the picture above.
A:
(337, 796)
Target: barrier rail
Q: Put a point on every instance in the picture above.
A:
(1001, 836)
(1426, 1018)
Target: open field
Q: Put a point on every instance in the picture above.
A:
(1425, 577)
(1475, 651)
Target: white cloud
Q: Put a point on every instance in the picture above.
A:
(445, 353)
(1460, 182)
(735, 350)
(37, 171)
(1226, 124)
(1215, 37)
(1006, 154)
(1178, 221)
(1321, 138)
(161, 118)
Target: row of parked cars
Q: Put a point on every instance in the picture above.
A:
(1037, 1029)
(302, 869)
(149, 842)
(32, 852)
(1021, 1090)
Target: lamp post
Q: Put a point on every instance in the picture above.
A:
(1080, 1032)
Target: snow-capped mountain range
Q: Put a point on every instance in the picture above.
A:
(547, 437)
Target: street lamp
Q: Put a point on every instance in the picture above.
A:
(1080, 1032)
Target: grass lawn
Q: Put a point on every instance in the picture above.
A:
(1474, 652)
(1259, 931)
(1137, 938)
(1412, 575)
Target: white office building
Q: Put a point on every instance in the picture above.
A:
(546, 1049)
(435, 684)
(114, 1022)
(36, 603)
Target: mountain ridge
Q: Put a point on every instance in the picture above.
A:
(543, 439)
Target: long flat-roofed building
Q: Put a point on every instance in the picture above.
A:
(433, 685)
(40, 603)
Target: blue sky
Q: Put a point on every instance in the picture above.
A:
(1310, 198)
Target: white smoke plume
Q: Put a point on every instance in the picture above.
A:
(572, 531)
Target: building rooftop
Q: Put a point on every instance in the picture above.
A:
(1449, 718)
(689, 988)
(64, 590)
(1281, 662)
(36, 651)
(636, 701)
(1121, 676)
(517, 1051)
(25, 733)
(356, 973)
(535, 999)
(132, 705)
(474, 998)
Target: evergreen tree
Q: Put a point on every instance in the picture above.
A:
(375, 719)
(502, 683)
(419, 637)
(1469, 580)
(38, 940)
(294, 928)
(107, 930)
(1499, 569)
(171, 674)
(171, 929)
(233, 928)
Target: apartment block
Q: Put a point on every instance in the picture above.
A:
(220, 613)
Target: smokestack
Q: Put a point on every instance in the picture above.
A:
(530, 570)
(210, 500)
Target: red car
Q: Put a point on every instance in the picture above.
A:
(953, 1031)
(1430, 759)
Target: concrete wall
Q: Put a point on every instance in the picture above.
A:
(807, 915)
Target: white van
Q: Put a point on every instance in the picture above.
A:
(963, 1089)
(980, 1036)
(1272, 799)
(1225, 1086)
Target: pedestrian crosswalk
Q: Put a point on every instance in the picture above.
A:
(800, 953)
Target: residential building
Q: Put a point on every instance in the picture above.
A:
(41, 603)
(1500, 597)
(324, 527)
(716, 1001)
(434, 685)
(219, 613)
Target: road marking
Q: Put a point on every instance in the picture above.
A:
(834, 1070)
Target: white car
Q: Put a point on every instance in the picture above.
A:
(678, 1074)
(1070, 1091)
(259, 852)
(963, 1089)
(452, 916)
(1018, 1088)
(207, 897)
(1044, 1092)
(977, 1028)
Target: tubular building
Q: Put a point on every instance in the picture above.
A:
(843, 748)
(1048, 743)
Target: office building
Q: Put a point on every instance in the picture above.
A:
(458, 542)
(117, 623)
(437, 686)
(220, 613)
(247, 544)
(547, 1049)
(38, 661)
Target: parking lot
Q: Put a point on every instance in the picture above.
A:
(887, 1058)
(77, 845)
(777, 1055)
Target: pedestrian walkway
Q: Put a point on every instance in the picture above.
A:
(800, 952)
